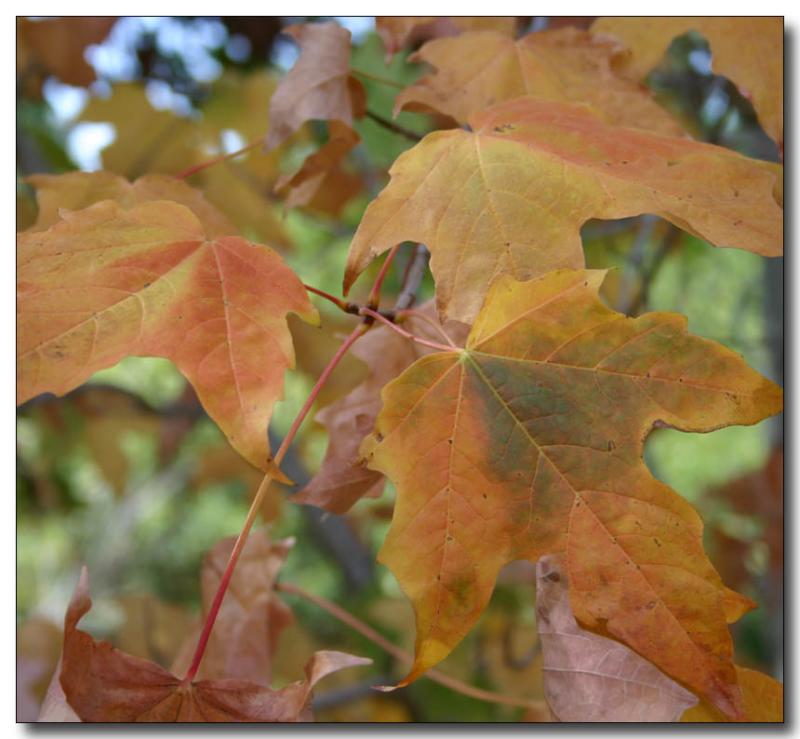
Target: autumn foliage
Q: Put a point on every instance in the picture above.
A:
(509, 412)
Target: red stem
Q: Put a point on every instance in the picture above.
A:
(202, 642)
(338, 302)
(433, 344)
(375, 294)
(217, 160)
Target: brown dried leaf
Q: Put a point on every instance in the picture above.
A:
(343, 478)
(38, 649)
(102, 683)
(56, 45)
(321, 181)
(319, 86)
(251, 617)
(588, 677)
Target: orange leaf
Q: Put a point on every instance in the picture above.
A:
(762, 697)
(104, 684)
(399, 32)
(477, 70)
(588, 677)
(319, 86)
(343, 479)
(106, 282)
(511, 196)
(529, 442)
(747, 50)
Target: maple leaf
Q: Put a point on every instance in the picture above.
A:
(251, 618)
(529, 442)
(319, 86)
(747, 50)
(102, 683)
(321, 179)
(762, 697)
(399, 32)
(511, 196)
(106, 282)
(343, 479)
(79, 190)
(55, 46)
(588, 677)
(476, 70)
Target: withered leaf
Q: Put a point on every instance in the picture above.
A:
(319, 86)
(102, 683)
(56, 46)
(321, 180)
(251, 617)
(511, 196)
(588, 677)
(529, 442)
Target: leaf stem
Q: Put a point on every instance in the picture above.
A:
(380, 80)
(433, 344)
(399, 654)
(338, 302)
(188, 172)
(419, 315)
(202, 641)
(394, 127)
(374, 298)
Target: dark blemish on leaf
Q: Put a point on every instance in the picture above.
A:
(541, 614)
(449, 538)
(657, 542)
(378, 436)
(672, 162)
(553, 577)
(146, 284)
(611, 445)
(651, 605)
(503, 128)
(735, 193)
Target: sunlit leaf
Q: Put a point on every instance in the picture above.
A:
(105, 283)
(510, 196)
(529, 442)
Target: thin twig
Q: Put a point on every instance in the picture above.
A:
(217, 160)
(380, 80)
(433, 344)
(368, 632)
(419, 315)
(256, 504)
(338, 302)
(394, 127)
(374, 298)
